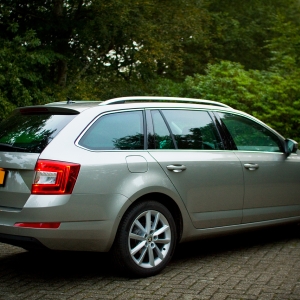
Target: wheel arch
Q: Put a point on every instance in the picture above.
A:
(169, 203)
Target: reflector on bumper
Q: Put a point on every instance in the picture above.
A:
(49, 225)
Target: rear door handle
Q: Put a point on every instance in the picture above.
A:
(251, 167)
(176, 168)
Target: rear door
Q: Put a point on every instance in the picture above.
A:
(209, 179)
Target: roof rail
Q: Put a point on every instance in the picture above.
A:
(155, 98)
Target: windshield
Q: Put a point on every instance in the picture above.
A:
(30, 132)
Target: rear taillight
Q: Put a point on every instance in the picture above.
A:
(54, 177)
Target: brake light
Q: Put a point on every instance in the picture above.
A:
(49, 225)
(54, 177)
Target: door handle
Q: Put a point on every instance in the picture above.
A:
(176, 168)
(251, 167)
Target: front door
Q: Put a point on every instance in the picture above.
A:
(272, 182)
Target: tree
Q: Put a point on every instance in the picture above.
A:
(269, 96)
(83, 41)
(83, 32)
(240, 30)
(95, 49)
(22, 72)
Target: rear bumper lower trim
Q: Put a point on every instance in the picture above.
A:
(25, 242)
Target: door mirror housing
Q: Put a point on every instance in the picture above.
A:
(290, 146)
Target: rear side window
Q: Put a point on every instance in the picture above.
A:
(193, 129)
(31, 132)
(115, 131)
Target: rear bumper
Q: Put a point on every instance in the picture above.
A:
(87, 222)
(72, 236)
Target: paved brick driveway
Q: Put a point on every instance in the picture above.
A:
(256, 265)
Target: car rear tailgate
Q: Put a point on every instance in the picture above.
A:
(19, 172)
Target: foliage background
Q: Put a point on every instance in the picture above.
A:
(242, 53)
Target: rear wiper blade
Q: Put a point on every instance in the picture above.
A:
(9, 147)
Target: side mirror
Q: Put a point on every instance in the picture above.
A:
(290, 146)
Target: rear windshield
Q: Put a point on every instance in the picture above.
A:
(31, 132)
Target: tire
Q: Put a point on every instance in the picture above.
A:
(146, 239)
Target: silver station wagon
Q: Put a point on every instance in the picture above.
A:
(137, 175)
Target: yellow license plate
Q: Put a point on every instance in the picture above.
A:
(2, 177)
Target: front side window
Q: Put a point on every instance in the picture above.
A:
(191, 129)
(115, 131)
(249, 135)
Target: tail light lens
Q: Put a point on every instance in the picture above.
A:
(54, 177)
